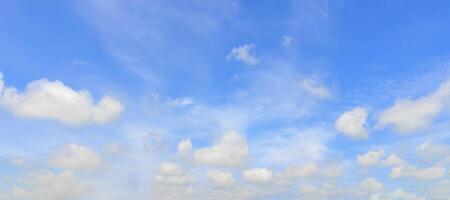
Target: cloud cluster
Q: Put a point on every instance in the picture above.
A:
(53, 100)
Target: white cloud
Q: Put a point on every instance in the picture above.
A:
(258, 175)
(308, 169)
(50, 186)
(371, 185)
(411, 171)
(244, 53)
(53, 100)
(408, 115)
(351, 123)
(398, 194)
(221, 179)
(76, 157)
(172, 174)
(230, 151)
(392, 161)
(371, 158)
(315, 89)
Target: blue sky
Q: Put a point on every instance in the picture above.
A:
(226, 99)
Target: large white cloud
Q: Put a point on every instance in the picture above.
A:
(244, 53)
(76, 157)
(258, 175)
(53, 100)
(407, 115)
(371, 158)
(221, 179)
(351, 123)
(46, 185)
(231, 150)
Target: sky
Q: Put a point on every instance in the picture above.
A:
(224, 99)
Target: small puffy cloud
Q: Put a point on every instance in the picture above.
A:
(371, 158)
(184, 149)
(286, 41)
(308, 169)
(221, 179)
(76, 158)
(407, 115)
(53, 100)
(398, 194)
(392, 161)
(313, 88)
(172, 174)
(351, 123)
(258, 175)
(231, 150)
(411, 171)
(244, 53)
(50, 186)
(371, 185)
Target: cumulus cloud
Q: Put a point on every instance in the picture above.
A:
(221, 179)
(392, 161)
(408, 115)
(76, 158)
(258, 175)
(46, 185)
(315, 89)
(371, 158)
(172, 174)
(53, 100)
(244, 53)
(411, 171)
(371, 185)
(231, 150)
(351, 123)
